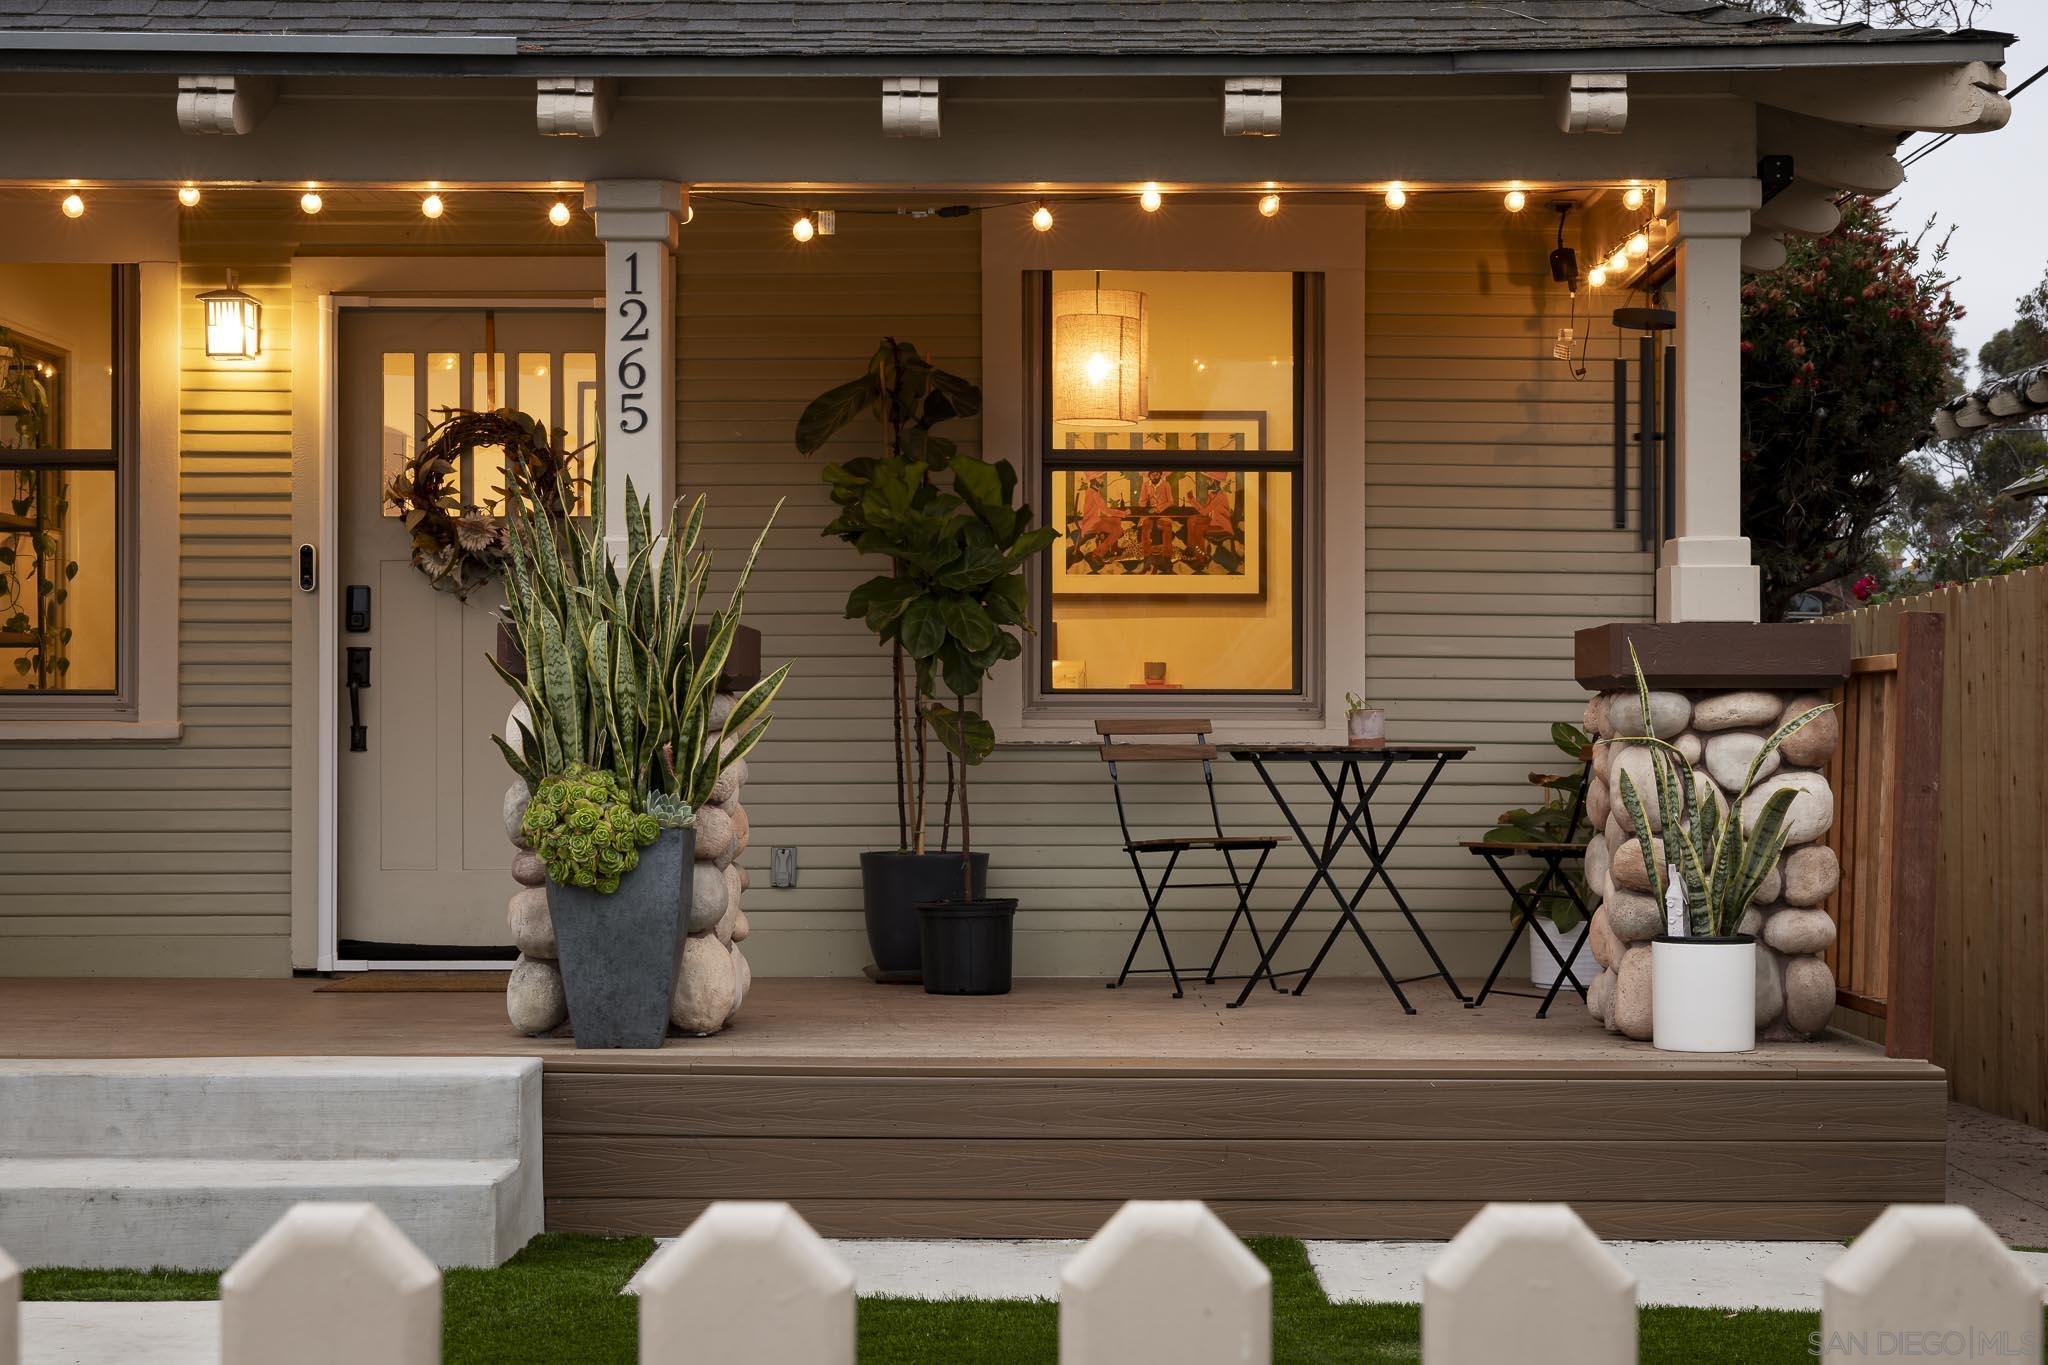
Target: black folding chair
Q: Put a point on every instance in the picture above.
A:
(1232, 847)
(1558, 861)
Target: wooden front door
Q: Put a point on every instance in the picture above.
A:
(423, 854)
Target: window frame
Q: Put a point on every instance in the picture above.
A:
(120, 702)
(1303, 462)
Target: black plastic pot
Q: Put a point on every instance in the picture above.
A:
(892, 885)
(619, 951)
(967, 946)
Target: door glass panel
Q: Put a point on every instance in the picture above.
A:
(444, 385)
(579, 411)
(484, 479)
(399, 434)
(536, 388)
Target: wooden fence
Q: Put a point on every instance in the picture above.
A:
(1989, 872)
(1886, 776)
(1161, 1284)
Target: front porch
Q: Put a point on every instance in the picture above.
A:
(888, 1112)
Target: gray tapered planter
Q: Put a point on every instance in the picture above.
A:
(619, 951)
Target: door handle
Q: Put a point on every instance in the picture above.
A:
(358, 679)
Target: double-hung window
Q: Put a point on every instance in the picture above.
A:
(1170, 408)
(67, 423)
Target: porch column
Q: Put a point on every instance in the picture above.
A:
(1706, 572)
(637, 221)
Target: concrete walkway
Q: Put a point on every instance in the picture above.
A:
(120, 1333)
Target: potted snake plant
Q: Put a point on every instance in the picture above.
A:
(1703, 982)
(615, 741)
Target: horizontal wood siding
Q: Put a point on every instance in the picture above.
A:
(1487, 543)
(174, 859)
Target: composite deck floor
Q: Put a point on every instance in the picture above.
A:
(881, 1110)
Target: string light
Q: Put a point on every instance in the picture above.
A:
(431, 206)
(1632, 198)
(1148, 199)
(73, 206)
(559, 214)
(1597, 276)
(1397, 195)
(1515, 201)
(1639, 245)
(311, 202)
(188, 195)
(1041, 217)
(1618, 262)
(1269, 204)
(803, 229)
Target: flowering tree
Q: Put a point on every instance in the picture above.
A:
(1846, 349)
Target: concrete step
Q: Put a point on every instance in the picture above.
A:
(264, 1107)
(200, 1215)
(185, 1162)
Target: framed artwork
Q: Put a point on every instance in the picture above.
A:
(1170, 531)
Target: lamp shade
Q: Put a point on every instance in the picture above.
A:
(234, 322)
(1100, 355)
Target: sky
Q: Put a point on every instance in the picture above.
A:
(1989, 187)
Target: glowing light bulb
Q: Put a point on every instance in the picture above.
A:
(1397, 196)
(1632, 198)
(1148, 199)
(73, 206)
(311, 202)
(559, 214)
(1100, 367)
(1597, 276)
(1041, 218)
(803, 229)
(431, 206)
(1515, 201)
(188, 195)
(1269, 204)
(1618, 262)
(1639, 245)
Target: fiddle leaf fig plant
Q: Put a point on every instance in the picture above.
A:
(954, 599)
(1719, 866)
(1554, 822)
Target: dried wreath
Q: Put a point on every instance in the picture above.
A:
(461, 546)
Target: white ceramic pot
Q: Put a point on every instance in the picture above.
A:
(1366, 729)
(1543, 967)
(1703, 994)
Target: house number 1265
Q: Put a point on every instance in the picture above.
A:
(630, 372)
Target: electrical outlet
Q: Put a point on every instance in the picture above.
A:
(782, 865)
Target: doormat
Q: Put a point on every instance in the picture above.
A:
(417, 983)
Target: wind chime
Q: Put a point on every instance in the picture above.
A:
(1655, 434)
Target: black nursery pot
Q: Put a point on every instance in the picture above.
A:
(892, 885)
(967, 946)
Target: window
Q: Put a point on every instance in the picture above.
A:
(1171, 403)
(66, 423)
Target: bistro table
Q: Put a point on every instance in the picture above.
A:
(1341, 770)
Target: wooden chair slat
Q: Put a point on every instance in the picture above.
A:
(1156, 753)
(1149, 725)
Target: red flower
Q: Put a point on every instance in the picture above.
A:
(1865, 586)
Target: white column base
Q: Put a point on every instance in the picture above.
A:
(1708, 578)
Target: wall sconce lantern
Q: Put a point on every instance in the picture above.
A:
(1100, 355)
(233, 322)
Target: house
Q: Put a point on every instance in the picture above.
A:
(1364, 259)
(1341, 212)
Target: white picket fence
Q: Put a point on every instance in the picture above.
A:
(339, 1284)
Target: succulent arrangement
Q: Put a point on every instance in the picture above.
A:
(583, 825)
(619, 685)
(1719, 866)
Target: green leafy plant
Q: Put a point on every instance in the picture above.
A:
(1719, 867)
(1353, 704)
(954, 598)
(1558, 820)
(616, 680)
(585, 828)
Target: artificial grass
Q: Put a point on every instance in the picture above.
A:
(559, 1300)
